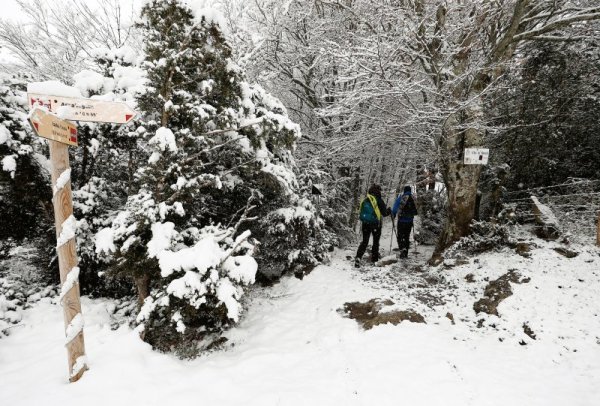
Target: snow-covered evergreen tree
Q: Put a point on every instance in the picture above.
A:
(24, 181)
(218, 166)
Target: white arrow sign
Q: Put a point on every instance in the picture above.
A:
(79, 109)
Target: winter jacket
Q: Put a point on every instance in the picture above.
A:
(372, 214)
(405, 207)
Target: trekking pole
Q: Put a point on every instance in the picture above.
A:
(394, 234)
(392, 237)
(415, 239)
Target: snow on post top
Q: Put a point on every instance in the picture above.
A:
(53, 88)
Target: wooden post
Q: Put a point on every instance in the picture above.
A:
(67, 259)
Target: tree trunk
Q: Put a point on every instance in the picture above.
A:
(459, 132)
(353, 216)
(142, 284)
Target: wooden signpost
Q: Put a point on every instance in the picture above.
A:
(61, 134)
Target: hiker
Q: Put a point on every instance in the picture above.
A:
(406, 209)
(372, 211)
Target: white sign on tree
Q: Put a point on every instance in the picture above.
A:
(476, 156)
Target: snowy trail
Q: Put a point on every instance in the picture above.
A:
(294, 348)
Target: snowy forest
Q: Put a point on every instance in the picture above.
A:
(309, 202)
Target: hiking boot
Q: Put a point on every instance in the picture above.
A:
(357, 262)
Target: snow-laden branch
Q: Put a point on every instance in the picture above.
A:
(591, 14)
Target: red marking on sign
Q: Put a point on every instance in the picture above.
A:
(128, 116)
(73, 139)
(73, 131)
(37, 126)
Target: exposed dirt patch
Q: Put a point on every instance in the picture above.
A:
(369, 314)
(523, 249)
(565, 252)
(496, 291)
(470, 278)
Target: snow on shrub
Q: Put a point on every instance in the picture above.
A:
(297, 232)
(201, 288)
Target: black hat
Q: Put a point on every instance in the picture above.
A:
(407, 189)
(375, 189)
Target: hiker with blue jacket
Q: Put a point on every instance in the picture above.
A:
(372, 211)
(406, 209)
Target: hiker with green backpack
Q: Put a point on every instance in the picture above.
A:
(372, 211)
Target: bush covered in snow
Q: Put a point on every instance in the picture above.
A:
(25, 194)
(432, 213)
(200, 289)
(485, 236)
(296, 231)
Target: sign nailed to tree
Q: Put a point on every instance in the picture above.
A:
(476, 156)
(79, 109)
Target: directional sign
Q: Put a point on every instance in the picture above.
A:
(49, 126)
(476, 156)
(79, 109)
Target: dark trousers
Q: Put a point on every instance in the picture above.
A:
(367, 230)
(404, 230)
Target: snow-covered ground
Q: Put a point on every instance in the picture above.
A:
(294, 347)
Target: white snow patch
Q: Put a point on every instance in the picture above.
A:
(9, 164)
(241, 268)
(178, 319)
(203, 8)
(164, 139)
(74, 328)
(228, 294)
(162, 236)
(205, 254)
(70, 281)
(4, 134)
(79, 364)
(105, 241)
(53, 88)
(67, 231)
(88, 81)
(62, 180)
